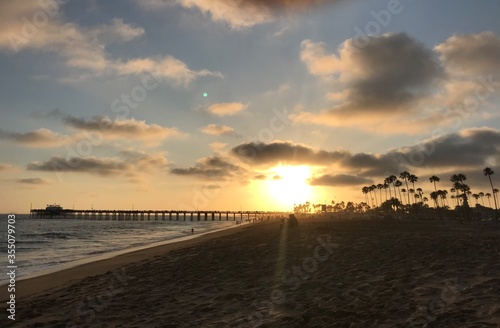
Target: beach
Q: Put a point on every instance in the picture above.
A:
(326, 273)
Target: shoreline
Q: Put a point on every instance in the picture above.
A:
(58, 276)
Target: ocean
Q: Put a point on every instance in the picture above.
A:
(44, 245)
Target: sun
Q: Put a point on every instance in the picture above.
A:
(288, 185)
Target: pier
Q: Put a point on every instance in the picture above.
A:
(52, 212)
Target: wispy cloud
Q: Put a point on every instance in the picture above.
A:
(41, 138)
(227, 109)
(217, 130)
(33, 181)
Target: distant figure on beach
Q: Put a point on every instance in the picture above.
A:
(192, 230)
(292, 221)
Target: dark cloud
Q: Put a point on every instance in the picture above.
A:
(124, 128)
(214, 167)
(339, 180)
(296, 154)
(468, 148)
(99, 166)
(387, 75)
(284, 152)
(465, 149)
(130, 163)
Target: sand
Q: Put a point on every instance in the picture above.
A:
(324, 274)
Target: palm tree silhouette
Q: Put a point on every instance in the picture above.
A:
(488, 195)
(434, 179)
(398, 184)
(489, 172)
(405, 175)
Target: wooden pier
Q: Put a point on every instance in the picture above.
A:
(153, 215)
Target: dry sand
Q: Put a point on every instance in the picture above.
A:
(325, 274)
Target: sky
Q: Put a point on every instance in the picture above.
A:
(242, 104)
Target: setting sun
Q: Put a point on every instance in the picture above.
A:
(289, 186)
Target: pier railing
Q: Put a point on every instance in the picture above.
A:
(156, 215)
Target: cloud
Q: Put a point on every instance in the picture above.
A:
(117, 32)
(210, 168)
(166, 67)
(475, 54)
(339, 180)
(33, 181)
(465, 149)
(41, 138)
(375, 85)
(128, 163)
(217, 130)
(284, 152)
(227, 109)
(262, 154)
(120, 129)
(31, 25)
(468, 150)
(239, 14)
(217, 146)
(123, 128)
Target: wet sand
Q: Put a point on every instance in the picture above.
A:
(324, 274)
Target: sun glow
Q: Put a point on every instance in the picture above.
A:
(288, 185)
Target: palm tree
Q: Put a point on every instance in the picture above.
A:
(365, 190)
(434, 179)
(453, 190)
(373, 188)
(434, 197)
(380, 187)
(476, 197)
(413, 178)
(458, 184)
(489, 172)
(398, 184)
(405, 175)
(412, 191)
(392, 180)
(481, 195)
(388, 181)
(488, 195)
(495, 192)
(444, 193)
